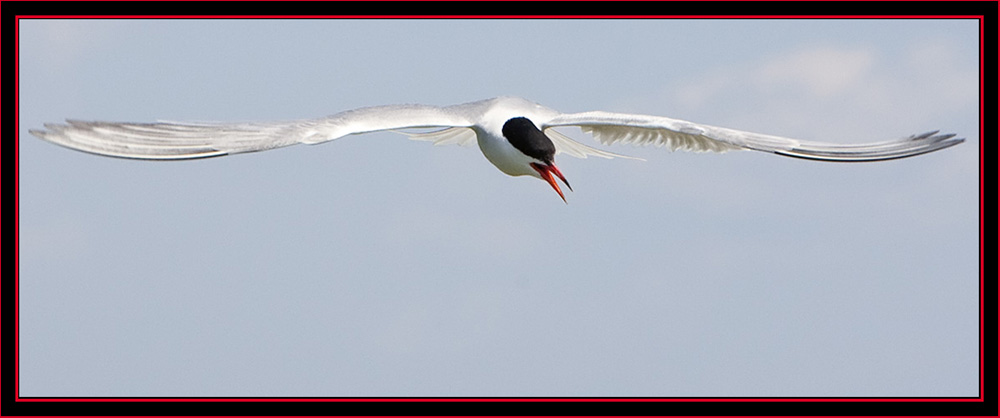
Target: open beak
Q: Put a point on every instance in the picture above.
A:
(546, 171)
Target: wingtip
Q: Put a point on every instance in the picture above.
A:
(935, 136)
(925, 135)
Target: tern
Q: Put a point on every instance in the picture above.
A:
(516, 135)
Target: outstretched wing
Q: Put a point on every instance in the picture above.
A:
(185, 140)
(612, 128)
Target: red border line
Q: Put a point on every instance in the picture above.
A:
(17, 211)
(375, 399)
(452, 17)
(18, 398)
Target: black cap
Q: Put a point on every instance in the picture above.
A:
(527, 138)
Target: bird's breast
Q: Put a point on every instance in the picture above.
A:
(502, 154)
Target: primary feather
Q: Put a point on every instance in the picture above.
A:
(675, 134)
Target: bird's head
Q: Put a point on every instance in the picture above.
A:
(539, 150)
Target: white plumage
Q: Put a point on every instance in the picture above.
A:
(480, 121)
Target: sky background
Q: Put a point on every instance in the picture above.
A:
(378, 266)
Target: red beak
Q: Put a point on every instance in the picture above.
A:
(546, 171)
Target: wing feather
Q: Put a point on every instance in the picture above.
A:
(458, 136)
(612, 128)
(565, 144)
(187, 140)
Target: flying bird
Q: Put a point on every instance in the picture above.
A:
(516, 135)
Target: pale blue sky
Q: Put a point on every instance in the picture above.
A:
(378, 266)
